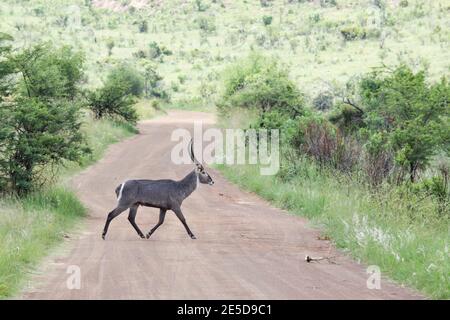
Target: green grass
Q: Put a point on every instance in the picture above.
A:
(194, 104)
(104, 132)
(31, 226)
(409, 244)
(99, 134)
(305, 36)
(146, 110)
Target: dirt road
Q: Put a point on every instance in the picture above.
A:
(245, 249)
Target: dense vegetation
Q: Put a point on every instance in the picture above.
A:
(359, 90)
(46, 133)
(385, 140)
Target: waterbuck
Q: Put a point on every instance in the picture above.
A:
(163, 194)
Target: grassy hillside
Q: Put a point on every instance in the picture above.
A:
(204, 36)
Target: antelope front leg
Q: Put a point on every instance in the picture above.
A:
(183, 221)
(132, 219)
(111, 216)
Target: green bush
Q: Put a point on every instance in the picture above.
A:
(323, 101)
(129, 77)
(40, 121)
(110, 44)
(436, 187)
(267, 20)
(328, 3)
(404, 3)
(411, 115)
(353, 33)
(206, 24)
(6, 66)
(157, 51)
(265, 3)
(143, 26)
(261, 83)
(153, 84)
(200, 6)
(36, 134)
(113, 100)
(48, 72)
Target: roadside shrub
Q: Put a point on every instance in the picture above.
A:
(114, 100)
(6, 65)
(261, 83)
(347, 118)
(378, 161)
(313, 135)
(316, 138)
(40, 121)
(435, 186)
(410, 115)
(323, 101)
(35, 135)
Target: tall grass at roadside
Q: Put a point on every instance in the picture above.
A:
(99, 135)
(146, 108)
(29, 227)
(104, 132)
(408, 244)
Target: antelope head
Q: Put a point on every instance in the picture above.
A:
(202, 175)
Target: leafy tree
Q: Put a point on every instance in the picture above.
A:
(49, 73)
(152, 84)
(40, 122)
(6, 68)
(129, 77)
(36, 134)
(407, 114)
(114, 100)
(323, 101)
(259, 82)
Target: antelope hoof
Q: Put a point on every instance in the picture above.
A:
(103, 236)
(193, 237)
(142, 236)
(148, 235)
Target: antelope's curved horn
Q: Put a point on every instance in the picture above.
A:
(191, 152)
